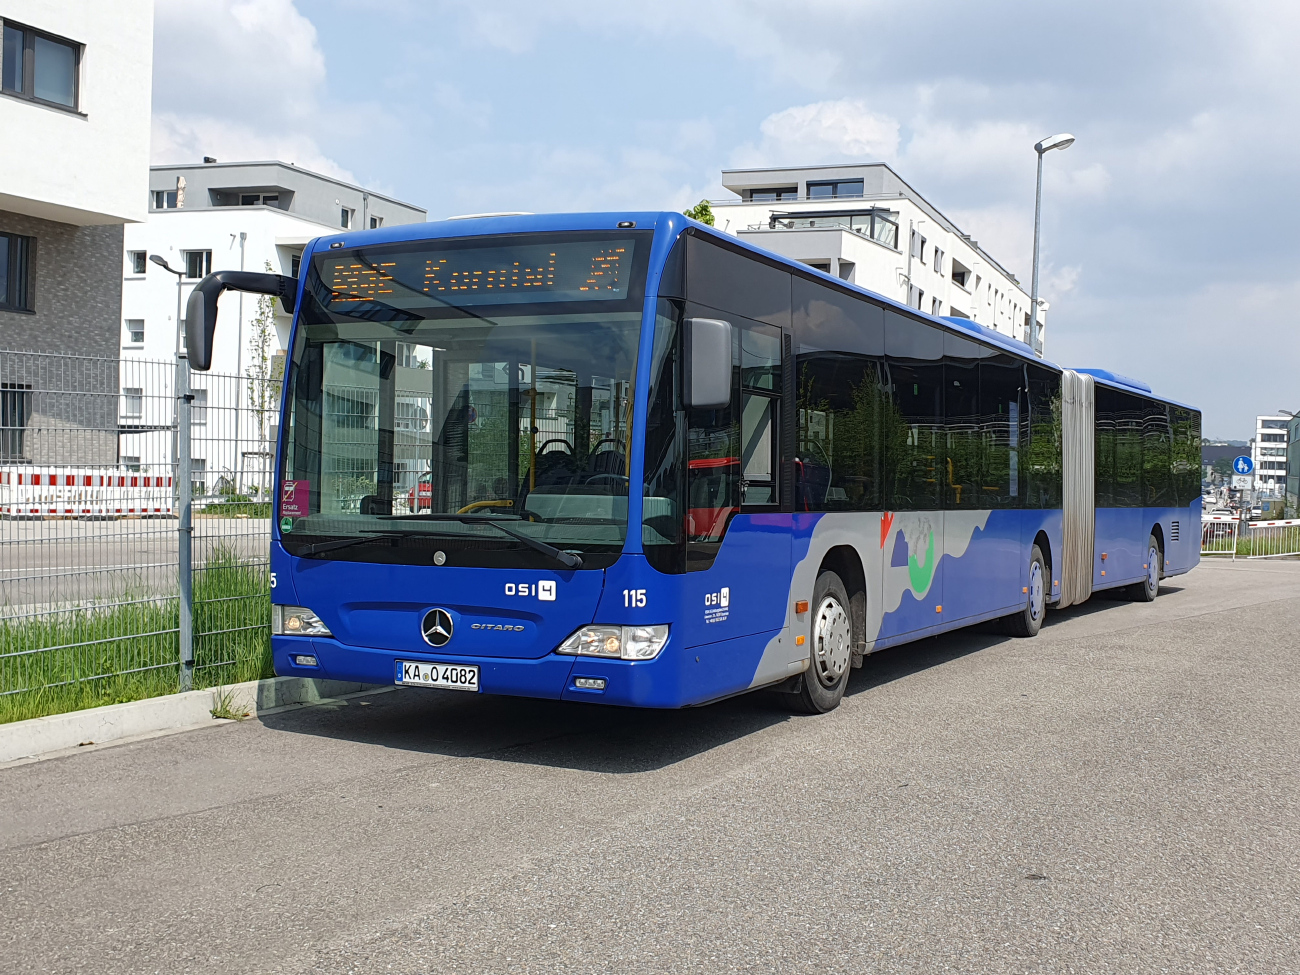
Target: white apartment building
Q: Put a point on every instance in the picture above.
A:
(1268, 451)
(75, 82)
(862, 223)
(213, 216)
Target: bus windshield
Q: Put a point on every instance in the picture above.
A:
(458, 401)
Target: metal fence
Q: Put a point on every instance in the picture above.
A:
(1224, 535)
(92, 553)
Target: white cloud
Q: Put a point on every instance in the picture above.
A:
(823, 132)
(237, 79)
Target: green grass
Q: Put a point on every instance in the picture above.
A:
(127, 648)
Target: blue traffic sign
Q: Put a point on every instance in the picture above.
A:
(1243, 465)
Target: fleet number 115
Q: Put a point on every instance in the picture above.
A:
(634, 597)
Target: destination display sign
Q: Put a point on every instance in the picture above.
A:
(578, 270)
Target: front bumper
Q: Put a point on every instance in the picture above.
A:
(672, 680)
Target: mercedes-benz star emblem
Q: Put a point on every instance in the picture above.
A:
(436, 627)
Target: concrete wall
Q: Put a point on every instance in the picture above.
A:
(89, 166)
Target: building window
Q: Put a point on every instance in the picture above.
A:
(199, 407)
(40, 66)
(135, 331)
(132, 401)
(295, 264)
(345, 218)
(198, 476)
(164, 199)
(774, 194)
(15, 411)
(936, 307)
(835, 189)
(376, 223)
(15, 272)
(920, 250)
(198, 263)
(938, 261)
(130, 463)
(138, 262)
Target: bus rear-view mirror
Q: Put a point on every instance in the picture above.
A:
(707, 384)
(201, 311)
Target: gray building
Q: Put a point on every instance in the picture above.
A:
(282, 186)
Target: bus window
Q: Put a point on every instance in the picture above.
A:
(912, 451)
(1156, 459)
(1104, 447)
(1129, 416)
(760, 380)
(737, 283)
(964, 475)
(840, 340)
(1002, 404)
(1042, 455)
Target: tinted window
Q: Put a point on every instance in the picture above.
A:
(964, 477)
(737, 283)
(1157, 490)
(1041, 455)
(1001, 419)
(912, 431)
(1186, 454)
(1104, 447)
(827, 320)
(1128, 415)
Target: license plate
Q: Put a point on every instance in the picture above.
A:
(451, 677)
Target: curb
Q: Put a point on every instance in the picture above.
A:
(35, 737)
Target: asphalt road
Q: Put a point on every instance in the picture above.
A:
(75, 561)
(1117, 795)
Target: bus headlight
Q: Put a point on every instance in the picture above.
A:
(297, 621)
(624, 642)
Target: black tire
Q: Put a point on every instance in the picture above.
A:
(1147, 590)
(832, 636)
(1029, 620)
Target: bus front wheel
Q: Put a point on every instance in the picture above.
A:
(831, 651)
(1029, 620)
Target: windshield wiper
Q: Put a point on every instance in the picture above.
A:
(567, 559)
(315, 548)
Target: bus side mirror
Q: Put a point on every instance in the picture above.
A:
(201, 311)
(707, 384)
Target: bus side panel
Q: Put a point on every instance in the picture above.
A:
(987, 576)
(1119, 551)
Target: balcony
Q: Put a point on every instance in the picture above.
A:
(874, 225)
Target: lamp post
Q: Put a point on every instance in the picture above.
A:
(1062, 141)
(184, 490)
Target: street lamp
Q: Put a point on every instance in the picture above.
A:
(184, 488)
(1062, 141)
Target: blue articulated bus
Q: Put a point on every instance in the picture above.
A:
(625, 458)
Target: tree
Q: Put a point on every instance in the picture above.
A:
(1222, 467)
(263, 390)
(701, 212)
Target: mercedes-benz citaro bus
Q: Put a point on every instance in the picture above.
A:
(626, 458)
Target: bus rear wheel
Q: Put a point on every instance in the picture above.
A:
(831, 651)
(1028, 621)
(1147, 590)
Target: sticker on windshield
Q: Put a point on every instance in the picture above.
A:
(293, 498)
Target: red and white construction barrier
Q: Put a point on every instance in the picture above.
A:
(54, 492)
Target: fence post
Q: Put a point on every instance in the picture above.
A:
(185, 537)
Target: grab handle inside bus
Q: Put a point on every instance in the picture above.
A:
(201, 312)
(708, 363)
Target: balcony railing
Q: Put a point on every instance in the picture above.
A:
(873, 225)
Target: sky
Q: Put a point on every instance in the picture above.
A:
(1168, 243)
